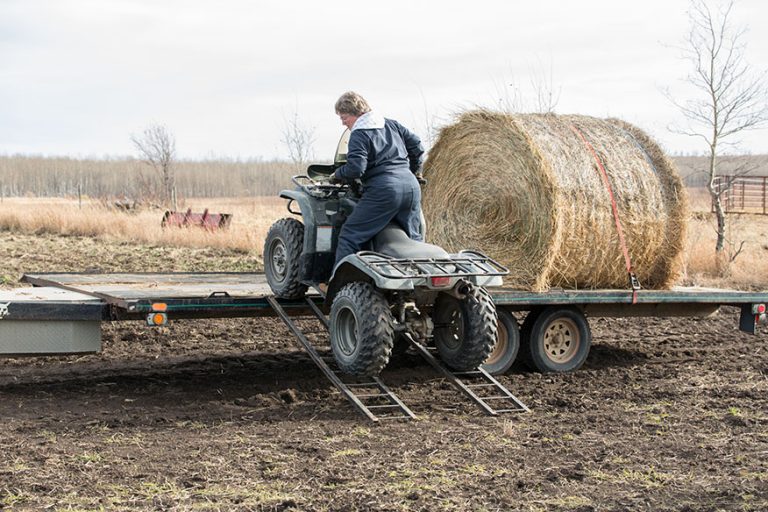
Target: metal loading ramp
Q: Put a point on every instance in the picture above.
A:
(375, 400)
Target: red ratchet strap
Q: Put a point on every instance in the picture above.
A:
(633, 282)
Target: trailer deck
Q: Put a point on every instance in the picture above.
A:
(232, 294)
(185, 294)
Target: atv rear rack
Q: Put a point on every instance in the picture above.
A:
(463, 264)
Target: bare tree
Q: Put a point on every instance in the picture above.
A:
(730, 99)
(542, 84)
(542, 97)
(508, 96)
(157, 148)
(299, 139)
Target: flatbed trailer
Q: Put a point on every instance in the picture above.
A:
(62, 314)
(98, 297)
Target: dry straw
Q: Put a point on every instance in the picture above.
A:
(527, 190)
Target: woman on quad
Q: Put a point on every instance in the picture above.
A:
(387, 158)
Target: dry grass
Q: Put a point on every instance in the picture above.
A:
(749, 270)
(250, 222)
(526, 190)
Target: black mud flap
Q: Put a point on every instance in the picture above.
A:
(748, 320)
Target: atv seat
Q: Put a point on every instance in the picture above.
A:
(392, 241)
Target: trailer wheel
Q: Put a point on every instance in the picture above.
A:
(465, 329)
(362, 329)
(507, 345)
(556, 340)
(282, 253)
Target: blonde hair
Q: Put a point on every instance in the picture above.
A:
(352, 104)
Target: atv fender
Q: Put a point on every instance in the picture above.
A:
(314, 219)
(352, 268)
(300, 198)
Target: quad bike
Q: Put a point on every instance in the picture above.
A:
(397, 286)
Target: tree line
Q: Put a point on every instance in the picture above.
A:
(132, 178)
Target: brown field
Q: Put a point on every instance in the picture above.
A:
(251, 220)
(667, 414)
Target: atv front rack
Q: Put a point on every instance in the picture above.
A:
(463, 264)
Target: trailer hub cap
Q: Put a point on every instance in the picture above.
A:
(562, 340)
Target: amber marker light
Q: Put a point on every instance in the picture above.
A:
(157, 318)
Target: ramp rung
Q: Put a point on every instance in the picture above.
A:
(453, 378)
(384, 406)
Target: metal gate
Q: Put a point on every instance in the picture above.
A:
(747, 194)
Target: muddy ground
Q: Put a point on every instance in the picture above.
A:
(667, 414)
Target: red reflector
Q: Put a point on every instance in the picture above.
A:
(440, 281)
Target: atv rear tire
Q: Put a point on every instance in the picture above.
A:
(362, 329)
(465, 329)
(282, 253)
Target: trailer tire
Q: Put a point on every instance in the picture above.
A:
(282, 254)
(361, 329)
(507, 346)
(556, 340)
(524, 355)
(465, 329)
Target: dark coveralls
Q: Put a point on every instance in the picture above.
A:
(386, 160)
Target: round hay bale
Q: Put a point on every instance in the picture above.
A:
(527, 190)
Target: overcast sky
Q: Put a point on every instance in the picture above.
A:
(78, 77)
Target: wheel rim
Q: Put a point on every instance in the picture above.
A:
(279, 259)
(502, 343)
(562, 340)
(346, 331)
(453, 328)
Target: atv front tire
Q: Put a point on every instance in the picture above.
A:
(465, 329)
(362, 329)
(282, 253)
